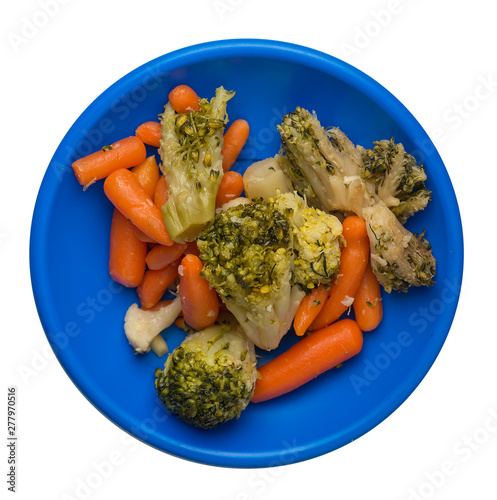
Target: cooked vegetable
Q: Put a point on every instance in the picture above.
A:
(199, 302)
(265, 178)
(309, 308)
(234, 139)
(160, 193)
(161, 255)
(127, 194)
(127, 253)
(210, 378)
(398, 181)
(184, 99)
(328, 166)
(149, 133)
(143, 326)
(148, 175)
(190, 149)
(247, 257)
(309, 357)
(354, 258)
(368, 307)
(125, 153)
(155, 283)
(230, 187)
(317, 237)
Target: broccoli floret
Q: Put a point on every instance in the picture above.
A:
(399, 258)
(317, 240)
(210, 378)
(190, 149)
(332, 167)
(247, 257)
(398, 180)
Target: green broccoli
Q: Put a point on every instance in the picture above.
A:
(329, 165)
(317, 240)
(398, 180)
(210, 378)
(247, 257)
(190, 149)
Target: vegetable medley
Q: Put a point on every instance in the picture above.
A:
(235, 261)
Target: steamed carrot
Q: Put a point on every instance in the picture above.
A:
(353, 261)
(142, 236)
(127, 253)
(199, 302)
(128, 196)
(125, 153)
(184, 99)
(161, 255)
(148, 174)
(309, 357)
(309, 308)
(160, 194)
(149, 133)
(155, 283)
(368, 308)
(230, 187)
(234, 139)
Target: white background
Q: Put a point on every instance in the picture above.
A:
(433, 55)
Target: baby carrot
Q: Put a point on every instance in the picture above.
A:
(148, 174)
(353, 261)
(199, 302)
(160, 194)
(161, 255)
(149, 133)
(127, 253)
(230, 187)
(234, 139)
(184, 99)
(309, 308)
(142, 236)
(125, 153)
(309, 357)
(155, 284)
(368, 308)
(128, 196)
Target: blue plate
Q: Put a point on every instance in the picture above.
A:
(82, 309)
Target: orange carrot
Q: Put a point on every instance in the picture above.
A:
(155, 284)
(127, 253)
(125, 153)
(184, 99)
(230, 187)
(309, 357)
(128, 196)
(142, 236)
(353, 261)
(309, 308)
(191, 247)
(160, 194)
(368, 308)
(234, 139)
(161, 255)
(199, 302)
(149, 133)
(148, 174)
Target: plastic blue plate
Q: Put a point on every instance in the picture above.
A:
(82, 309)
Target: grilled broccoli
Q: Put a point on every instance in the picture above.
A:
(190, 149)
(247, 257)
(329, 165)
(210, 378)
(317, 240)
(398, 181)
